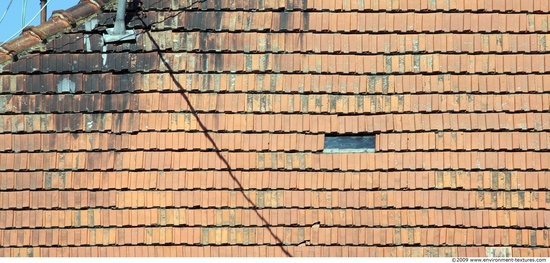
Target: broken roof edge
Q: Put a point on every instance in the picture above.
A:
(59, 22)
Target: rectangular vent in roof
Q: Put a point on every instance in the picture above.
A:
(357, 143)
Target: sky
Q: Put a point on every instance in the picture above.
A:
(13, 21)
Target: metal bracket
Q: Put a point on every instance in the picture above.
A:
(110, 37)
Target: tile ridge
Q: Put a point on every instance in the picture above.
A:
(60, 21)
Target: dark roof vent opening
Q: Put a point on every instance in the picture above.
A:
(356, 143)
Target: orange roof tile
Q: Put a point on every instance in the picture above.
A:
(205, 136)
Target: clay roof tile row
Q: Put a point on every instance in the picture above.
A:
(262, 180)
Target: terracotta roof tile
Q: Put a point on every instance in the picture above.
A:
(177, 138)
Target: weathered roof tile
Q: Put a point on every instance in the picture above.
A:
(208, 115)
